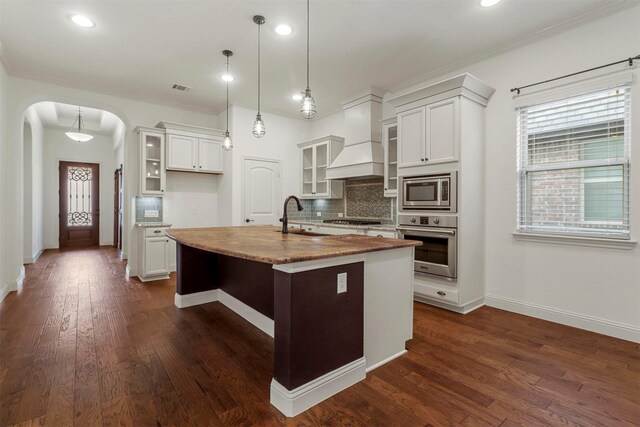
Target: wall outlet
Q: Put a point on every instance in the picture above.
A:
(340, 214)
(151, 213)
(318, 213)
(342, 283)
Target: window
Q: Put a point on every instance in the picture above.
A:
(573, 165)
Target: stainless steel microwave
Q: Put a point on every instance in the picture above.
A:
(436, 192)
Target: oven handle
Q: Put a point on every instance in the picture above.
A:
(427, 230)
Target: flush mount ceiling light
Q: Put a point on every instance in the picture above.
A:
(283, 30)
(296, 97)
(489, 3)
(227, 144)
(308, 105)
(77, 134)
(82, 21)
(258, 125)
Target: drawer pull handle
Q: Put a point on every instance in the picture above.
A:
(158, 231)
(442, 293)
(379, 235)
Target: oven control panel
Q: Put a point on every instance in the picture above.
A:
(428, 220)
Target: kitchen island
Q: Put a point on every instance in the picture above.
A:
(336, 306)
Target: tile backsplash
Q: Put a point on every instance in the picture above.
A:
(148, 203)
(363, 198)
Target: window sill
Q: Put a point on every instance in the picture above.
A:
(576, 241)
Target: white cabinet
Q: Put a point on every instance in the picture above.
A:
(152, 160)
(194, 154)
(390, 147)
(156, 250)
(316, 156)
(429, 134)
(382, 233)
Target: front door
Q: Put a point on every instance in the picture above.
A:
(79, 204)
(261, 191)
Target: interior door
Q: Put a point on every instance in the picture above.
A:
(261, 191)
(117, 208)
(79, 208)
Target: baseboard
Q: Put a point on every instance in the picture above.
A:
(5, 290)
(465, 309)
(197, 298)
(293, 402)
(252, 316)
(33, 258)
(581, 321)
(13, 285)
(387, 360)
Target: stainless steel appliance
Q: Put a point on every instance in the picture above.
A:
(346, 221)
(439, 236)
(437, 192)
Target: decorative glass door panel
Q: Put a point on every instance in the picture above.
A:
(79, 204)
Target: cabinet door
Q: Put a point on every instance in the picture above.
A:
(182, 152)
(411, 138)
(152, 163)
(442, 132)
(322, 185)
(308, 172)
(156, 256)
(209, 156)
(390, 146)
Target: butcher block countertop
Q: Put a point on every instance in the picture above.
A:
(267, 244)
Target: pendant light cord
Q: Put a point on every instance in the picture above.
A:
(227, 95)
(307, 44)
(259, 25)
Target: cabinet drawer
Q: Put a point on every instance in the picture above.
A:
(436, 293)
(381, 233)
(155, 231)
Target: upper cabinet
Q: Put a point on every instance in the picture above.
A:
(152, 161)
(193, 149)
(428, 134)
(316, 156)
(390, 146)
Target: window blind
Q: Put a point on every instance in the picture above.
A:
(573, 165)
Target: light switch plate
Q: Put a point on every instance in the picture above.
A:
(340, 214)
(342, 283)
(318, 213)
(151, 213)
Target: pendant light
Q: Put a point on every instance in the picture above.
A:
(77, 134)
(308, 104)
(227, 144)
(258, 125)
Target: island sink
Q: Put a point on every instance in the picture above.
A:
(325, 336)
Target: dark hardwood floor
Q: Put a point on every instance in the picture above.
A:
(80, 345)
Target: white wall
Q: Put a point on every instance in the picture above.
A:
(19, 94)
(191, 200)
(330, 125)
(593, 288)
(33, 187)
(7, 279)
(58, 147)
(279, 143)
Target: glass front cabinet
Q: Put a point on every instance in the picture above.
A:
(390, 146)
(316, 156)
(152, 161)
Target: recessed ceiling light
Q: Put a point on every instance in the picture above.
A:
(227, 77)
(283, 30)
(82, 21)
(297, 97)
(489, 3)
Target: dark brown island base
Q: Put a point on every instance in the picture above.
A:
(336, 306)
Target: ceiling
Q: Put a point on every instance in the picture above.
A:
(138, 49)
(63, 116)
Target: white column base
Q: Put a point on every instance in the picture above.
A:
(293, 402)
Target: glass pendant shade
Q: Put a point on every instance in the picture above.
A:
(227, 144)
(258, 127)
(76, 133)
(308, 105)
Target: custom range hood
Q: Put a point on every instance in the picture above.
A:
(362, 155)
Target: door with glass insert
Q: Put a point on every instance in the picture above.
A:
(79, 207)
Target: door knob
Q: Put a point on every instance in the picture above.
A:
(248, 220)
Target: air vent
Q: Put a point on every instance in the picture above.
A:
(181, 88)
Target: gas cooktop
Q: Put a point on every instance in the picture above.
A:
(352, 222)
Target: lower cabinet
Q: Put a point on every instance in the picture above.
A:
(156, 254)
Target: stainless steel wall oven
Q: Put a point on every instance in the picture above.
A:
(439, 236)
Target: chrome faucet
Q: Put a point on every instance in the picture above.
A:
(285, 218)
